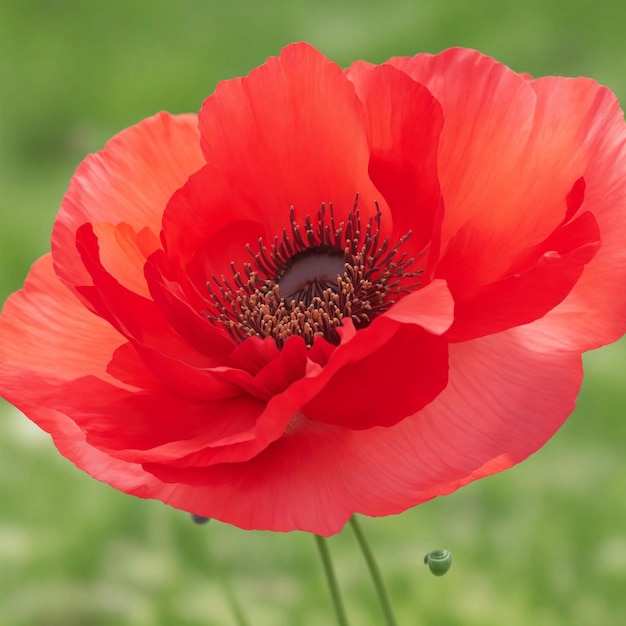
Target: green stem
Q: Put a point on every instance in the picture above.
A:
(390, 620)
(332, 580)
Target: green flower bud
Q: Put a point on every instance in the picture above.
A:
(438, 561)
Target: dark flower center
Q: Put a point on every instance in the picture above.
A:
(307, 282)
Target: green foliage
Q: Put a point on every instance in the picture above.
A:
(541, 544)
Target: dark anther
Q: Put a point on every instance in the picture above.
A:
(312, 277)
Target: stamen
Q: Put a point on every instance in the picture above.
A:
(308, 281)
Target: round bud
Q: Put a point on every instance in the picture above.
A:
(438, 561)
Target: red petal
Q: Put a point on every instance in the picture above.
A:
(594, 313)
(54, 352)
(380, 377)
(542, 279)
(502, 403)
(509, 154)
(123, 253)
(157, 426)
(223, 224)
(175, 362)
(46, 331)
(431, 307)
(291, 133)
(227, 431)
(127, 367)
(404, 124)
(387, 371)
(179, 301)
(129, 181)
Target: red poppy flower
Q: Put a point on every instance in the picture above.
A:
(331, 291)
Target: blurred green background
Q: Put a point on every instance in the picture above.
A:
(541, 544)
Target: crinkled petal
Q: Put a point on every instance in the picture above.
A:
(46, 331)
(380, 377)
(130, 181)
(292, 132)
(541, 281)
(174, 361)
(594, 313)
(124, 252)
(490, 417)
(389, 370)
(431, 307)
(404, 125)
(509, 153)
(56, 353)
(185, 307)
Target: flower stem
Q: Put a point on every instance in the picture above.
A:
(332, 580)
(390, 620)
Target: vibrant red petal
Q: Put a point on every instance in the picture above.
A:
(178, 363)
(46, 331)
(287, 367)
(135, 316)
(387, 371)
(155, 426)
(127, 367)
(404, 125)
(542, 280)
(184, 308)
(594, 313)
(490, 417)
(431, 307)
(380, 377)
(175, 362)
(291, 133)
(130, 181)
(254, 354)
(47, 340)
(223, 224)
(231, 430)
(123, 253)
(54, 352)
(509, 154)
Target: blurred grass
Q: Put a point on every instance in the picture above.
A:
(542, 544)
